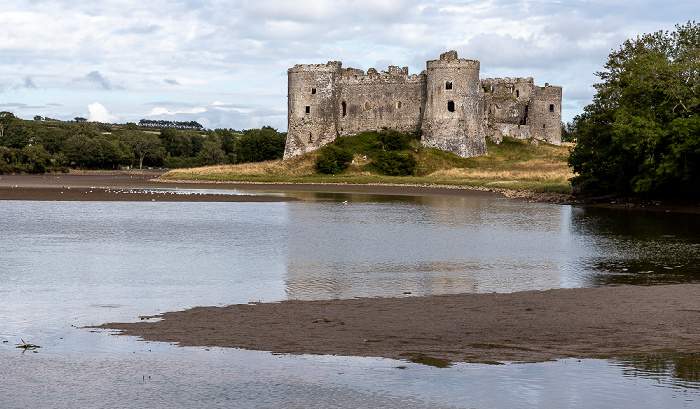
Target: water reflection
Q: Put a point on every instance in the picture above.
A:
(674, 369)
(422, 246)
(636, 247)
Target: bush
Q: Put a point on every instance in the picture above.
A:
(333, 160)
(395, 163)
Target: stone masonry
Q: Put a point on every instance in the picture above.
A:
(447, 104)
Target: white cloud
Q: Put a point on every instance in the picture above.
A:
(165, 111)
(62, 56)
(98, 113)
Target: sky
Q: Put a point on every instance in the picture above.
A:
(223, 63)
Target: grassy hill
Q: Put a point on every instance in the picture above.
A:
(512, 164)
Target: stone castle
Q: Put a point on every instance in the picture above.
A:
(447, 104)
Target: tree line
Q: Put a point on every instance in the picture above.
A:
(45, 145)
(641, 134)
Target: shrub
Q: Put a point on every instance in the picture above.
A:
(395, 163)
(333, 160)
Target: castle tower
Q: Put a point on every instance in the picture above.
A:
(546, 114)
(453, 119)
(312, 111)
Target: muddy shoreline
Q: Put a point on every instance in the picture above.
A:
(530, 326)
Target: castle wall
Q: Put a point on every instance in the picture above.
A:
(448, 104)
(376, 100)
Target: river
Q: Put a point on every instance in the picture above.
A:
(66, 265)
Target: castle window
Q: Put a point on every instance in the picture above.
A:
(308, 109)
(517, 93)
(451, 106)
(398, 105)
(448, 85)
(313, 90)
(311, 140)
(367, 106)
(345, 108)
(551, 107)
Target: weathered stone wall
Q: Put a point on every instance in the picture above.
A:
(453, 120)
(506, 102)
(311, 107)
(379, 100)
(545, 114)
(447, 103)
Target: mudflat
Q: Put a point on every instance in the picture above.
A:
(120, 185)
(528, 326)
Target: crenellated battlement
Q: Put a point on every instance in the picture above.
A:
(447, 103)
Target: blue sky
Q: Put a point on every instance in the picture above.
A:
(224, 63)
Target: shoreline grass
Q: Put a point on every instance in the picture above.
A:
(514, 164)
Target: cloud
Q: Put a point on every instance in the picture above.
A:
(193, 52)
(29, 83)
(165, 111)
(96, 78)
(98, 113)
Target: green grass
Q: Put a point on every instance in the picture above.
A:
(513, 164)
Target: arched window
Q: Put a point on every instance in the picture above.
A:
(451, 106)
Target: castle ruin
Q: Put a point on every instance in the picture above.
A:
(447, 104)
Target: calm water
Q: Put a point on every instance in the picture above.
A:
(64, 265)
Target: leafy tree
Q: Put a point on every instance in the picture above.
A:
(211, 152)
(5, 119)
(82, 150)
(257, 145)
(144, 145)
(641, 134)
(177, 143)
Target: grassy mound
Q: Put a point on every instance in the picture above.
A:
(512, 164)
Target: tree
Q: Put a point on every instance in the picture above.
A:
(144, 145)
(5, 119)
(641, 134)
(211, 152)
(257, 145)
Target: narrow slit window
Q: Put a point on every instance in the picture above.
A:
(517, 93)
(451, 106)
(345, 108)
(311, 139)
(551, 107)
(448, 85)
(308, 109)
(313, 90)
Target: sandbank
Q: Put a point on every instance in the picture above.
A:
(528, 326)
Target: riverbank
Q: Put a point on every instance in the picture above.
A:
(530, 326)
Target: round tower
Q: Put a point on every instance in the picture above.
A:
(453, 119)
(311, 107)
